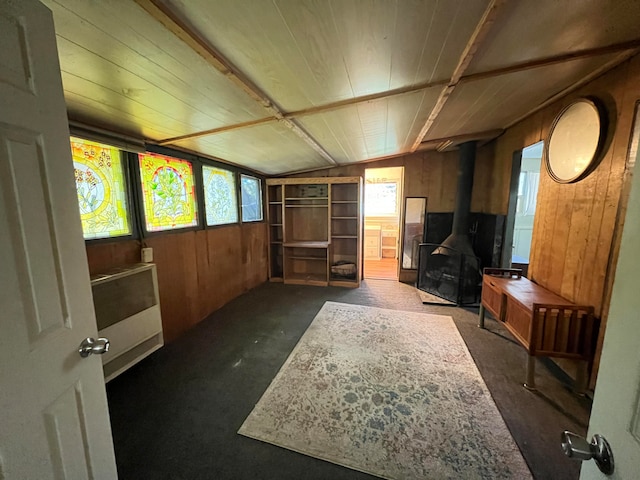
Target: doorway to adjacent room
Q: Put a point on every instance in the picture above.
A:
(382, 213)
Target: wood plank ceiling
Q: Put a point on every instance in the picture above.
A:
(288, 85)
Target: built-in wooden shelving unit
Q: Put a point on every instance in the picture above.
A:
(315, 230)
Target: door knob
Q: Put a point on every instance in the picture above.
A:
(90, 346)
(576, 447)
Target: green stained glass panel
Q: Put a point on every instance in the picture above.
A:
(168, 192)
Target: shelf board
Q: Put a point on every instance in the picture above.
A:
(344, 218)
(342, 282)
(302, 281)
(344, 236)
(306, 198)
(310, 278)
(276, 242)
(339, 278)
(344, 201)
(304, 244)
(276, 225)
(275, 203)
(307, 206)
(300, 257)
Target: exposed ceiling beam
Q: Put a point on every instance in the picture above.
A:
(180, 29)
(213, 131)
(583, 81)
(175, 25)
(312, 110)
(478, 36)
(444, 143)
(364, 99)
(555, 59)
(630, 48)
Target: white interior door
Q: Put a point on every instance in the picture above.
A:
(54, 421)
(616, 408)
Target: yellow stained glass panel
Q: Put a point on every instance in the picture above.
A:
(100, 183)
(168, 192)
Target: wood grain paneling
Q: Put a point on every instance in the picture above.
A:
(104, 256)
(373, 129)
(434, 175)
(312, 53)
(498, 101)
(577, 226)
(116, 53)
(272, 148)
(198, 271)
(530, 30)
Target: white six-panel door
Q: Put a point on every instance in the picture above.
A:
(54, 421)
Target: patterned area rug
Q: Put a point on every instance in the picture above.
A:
(390, 393)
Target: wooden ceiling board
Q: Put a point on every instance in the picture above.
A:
(529, 30)
(496, 102)
(118, 45)
(308, 53)
(373, 129)
(270, 149)
(255, 38)
(441, 28)
(86, 109)
(117, 104)
(125, 70)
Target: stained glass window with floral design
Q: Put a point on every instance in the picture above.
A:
(220, 198)
(251, 198)
(168, 192)
(100, 183)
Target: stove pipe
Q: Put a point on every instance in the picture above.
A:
(459, 238)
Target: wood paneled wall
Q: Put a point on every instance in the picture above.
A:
(198, 271)
(432, 175)
(577, 226)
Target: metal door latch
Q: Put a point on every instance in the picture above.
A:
(90, 346)
(576, 447)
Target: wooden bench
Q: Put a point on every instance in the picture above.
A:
(544, 323)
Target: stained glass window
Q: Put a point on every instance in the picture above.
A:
(251, 198)
(100, 183)
(168, 192)
(220, 196)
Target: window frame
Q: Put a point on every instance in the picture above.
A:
(132, 216)
(383, 215)
(197, 161)
(260, 196)
(134, 193)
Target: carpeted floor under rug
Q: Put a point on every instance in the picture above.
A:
(391, 393)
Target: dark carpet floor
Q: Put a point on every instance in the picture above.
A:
(175, 415)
